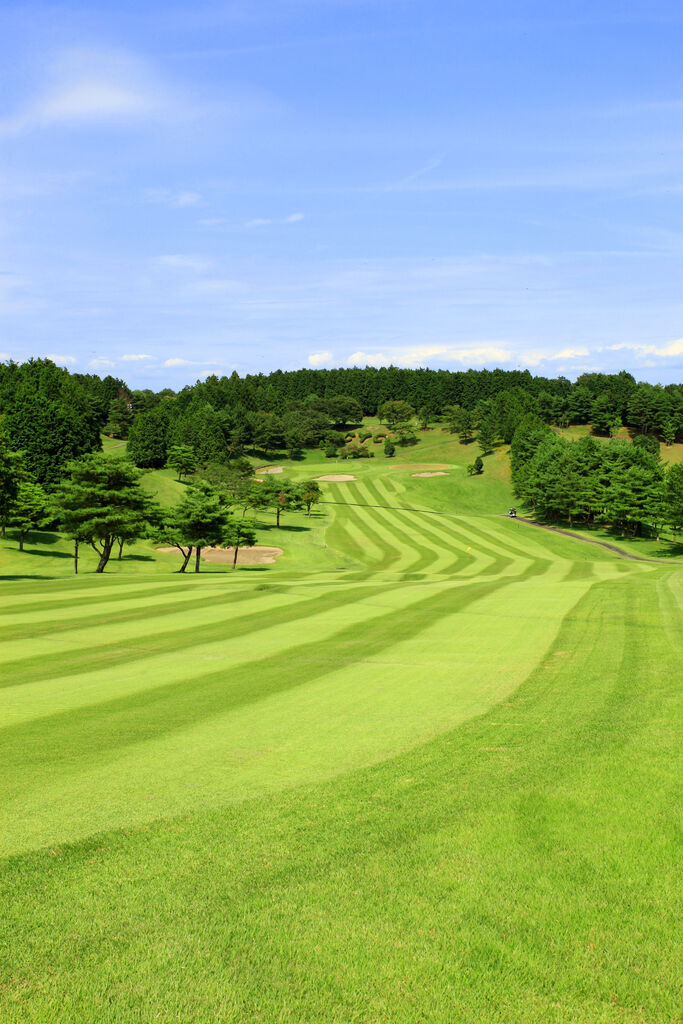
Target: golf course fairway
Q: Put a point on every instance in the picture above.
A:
(424, 767)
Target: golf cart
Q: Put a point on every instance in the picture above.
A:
(512, 513)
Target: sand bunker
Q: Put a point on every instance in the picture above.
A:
(339, 478)
(270, 469)
(224, 556)
(439, 473)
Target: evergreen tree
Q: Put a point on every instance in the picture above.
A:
(29, 509)
(279, 496)
(102, 501)
(201, 519)
(673, 499)
(236, 536)
(147, 439)
(120, 418)
(486, 434)
(311, 493)
(11, 474)
(182, 459)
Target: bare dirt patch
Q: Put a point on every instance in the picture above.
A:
(338, 478)
(438, 473)
(270, 469)
(224, 556)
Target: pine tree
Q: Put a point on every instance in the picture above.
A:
(29, 509)
(102, 501)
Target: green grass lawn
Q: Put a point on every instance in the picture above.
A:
(422, 768)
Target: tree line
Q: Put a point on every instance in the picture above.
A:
(54, 416)
(618, 483)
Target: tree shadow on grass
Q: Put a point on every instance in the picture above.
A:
(47, 554)
(24, 576)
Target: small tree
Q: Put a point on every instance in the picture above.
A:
(29, 509)
(405, 435)
(673, 499)
(311, 493)
(476, 467)
(486, 434)
(11, 474)
(283, 496)
(668, 432)
(236, 536)
(120, 418)
(424, 415)
(182, 458)
(199, 520)
(389, 448)
(394, 412)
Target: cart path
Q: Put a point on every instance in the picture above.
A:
(600, 543)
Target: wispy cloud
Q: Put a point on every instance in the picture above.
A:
(184, 261)
(260, 222)
(536, 357)
(176, 198)
(101, 364)
(134, 357)
(92, 86)
(674, 348)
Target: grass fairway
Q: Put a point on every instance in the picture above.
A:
(422, 768)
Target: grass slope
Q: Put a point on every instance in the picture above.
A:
(420, 769)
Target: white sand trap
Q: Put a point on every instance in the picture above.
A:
(439, 473)
(270, 469)
(339, 478)
(224, 556)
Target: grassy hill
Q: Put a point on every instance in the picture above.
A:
(422, 768)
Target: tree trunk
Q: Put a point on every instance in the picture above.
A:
(234, 561)
(21, 540)
(186, 557)
(309, 510)
(277, 517)
(121, 543)
(107, 545)
(198, 552)
(76, 556)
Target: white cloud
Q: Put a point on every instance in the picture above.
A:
(185, 362)
(61, 360)
(101, 364)
(421, 355)
(260, 222)
(174, 198)
(319, 358)
(368, 359)
(184, 261)
(534, 357)
(134, 358)
(674, 348)
(93, 86)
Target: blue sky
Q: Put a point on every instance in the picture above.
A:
(195, 188)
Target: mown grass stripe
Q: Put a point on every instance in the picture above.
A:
(63, 740)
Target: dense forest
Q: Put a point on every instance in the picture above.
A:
(50, 417)
(53, 415)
